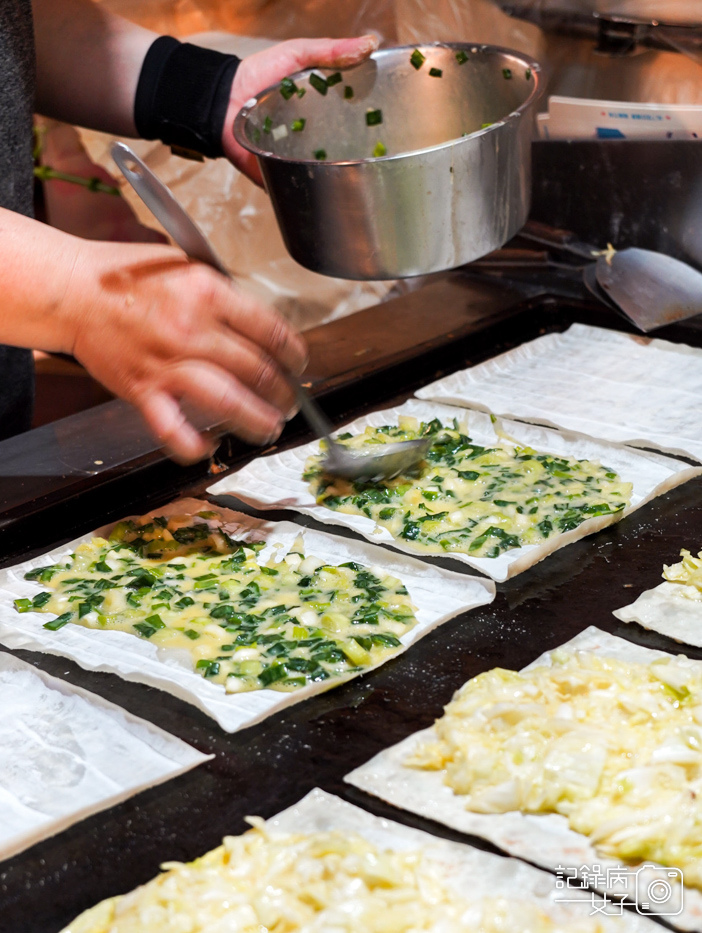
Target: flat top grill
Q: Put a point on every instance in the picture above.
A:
(376, 358)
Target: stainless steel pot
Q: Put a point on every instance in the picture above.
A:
(453, 186)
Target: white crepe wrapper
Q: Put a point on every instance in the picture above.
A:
(664, 609)
(276, 482)
(639, 391)
(438, 595)
(469, 872)
(544, 839)
(66, 753)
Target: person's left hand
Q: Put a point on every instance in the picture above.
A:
(259, 71)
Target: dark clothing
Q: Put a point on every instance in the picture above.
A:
(17, 85)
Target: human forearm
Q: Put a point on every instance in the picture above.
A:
(88, 64)
(35, 269)
(154, 328)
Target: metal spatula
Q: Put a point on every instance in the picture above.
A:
(652, 289)
(382, 462)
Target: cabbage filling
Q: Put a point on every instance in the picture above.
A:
(615, 747)
(323, 882)
(687, 573)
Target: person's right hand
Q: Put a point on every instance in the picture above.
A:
(173, 336)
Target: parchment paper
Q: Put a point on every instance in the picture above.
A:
(544, 839)
(467, 870)
(438, 595)
(276, 482)
(636, 390)
(664, 609)
(66, 753)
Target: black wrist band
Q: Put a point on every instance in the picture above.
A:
(183, 94)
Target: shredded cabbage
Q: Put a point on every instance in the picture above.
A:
(326, 882)
(615, 747)
(688, 573)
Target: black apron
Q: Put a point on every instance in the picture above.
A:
(17, 83)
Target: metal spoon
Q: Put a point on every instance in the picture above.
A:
(366, 465)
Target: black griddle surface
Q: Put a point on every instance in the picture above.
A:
(265, 768)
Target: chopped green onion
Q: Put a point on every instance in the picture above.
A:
(334, 79)
(374, 117)
(379, 150)
(211, 668)
(41, 599)
(103, 567)
(297, 126)
(191, 634)
(320, 154)
(506, 73)
(484, 126)
(318, 83)
(348, 92)
(267, 125)
(527, 74)
(155, 621)
(461, 57)
(301, 91)
(146, 631)
(287, 88)
(417, 59)
(58, 622)
(23, 605)
(270, 674)
(269, 571)
(435, 72)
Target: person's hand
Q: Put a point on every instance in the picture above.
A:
(167, 334)
(259, 71)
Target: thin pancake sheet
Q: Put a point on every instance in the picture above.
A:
(66, 753)
(663, 609)
(464, 869)
(276, 482)
(544, 839)
(636, 390)
(438, 595)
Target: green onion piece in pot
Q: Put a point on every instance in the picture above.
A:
(527, 74)
(462, 57)
(374, 117)
(379, 150)
(287, 88)
(334, 79)
(320, 154)
(297, 126)
(484, 126)
(267, 125)
(348, 92)
(506, 73)
(301, 91)
(318, 83)
(417, 59)
(435, 72)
